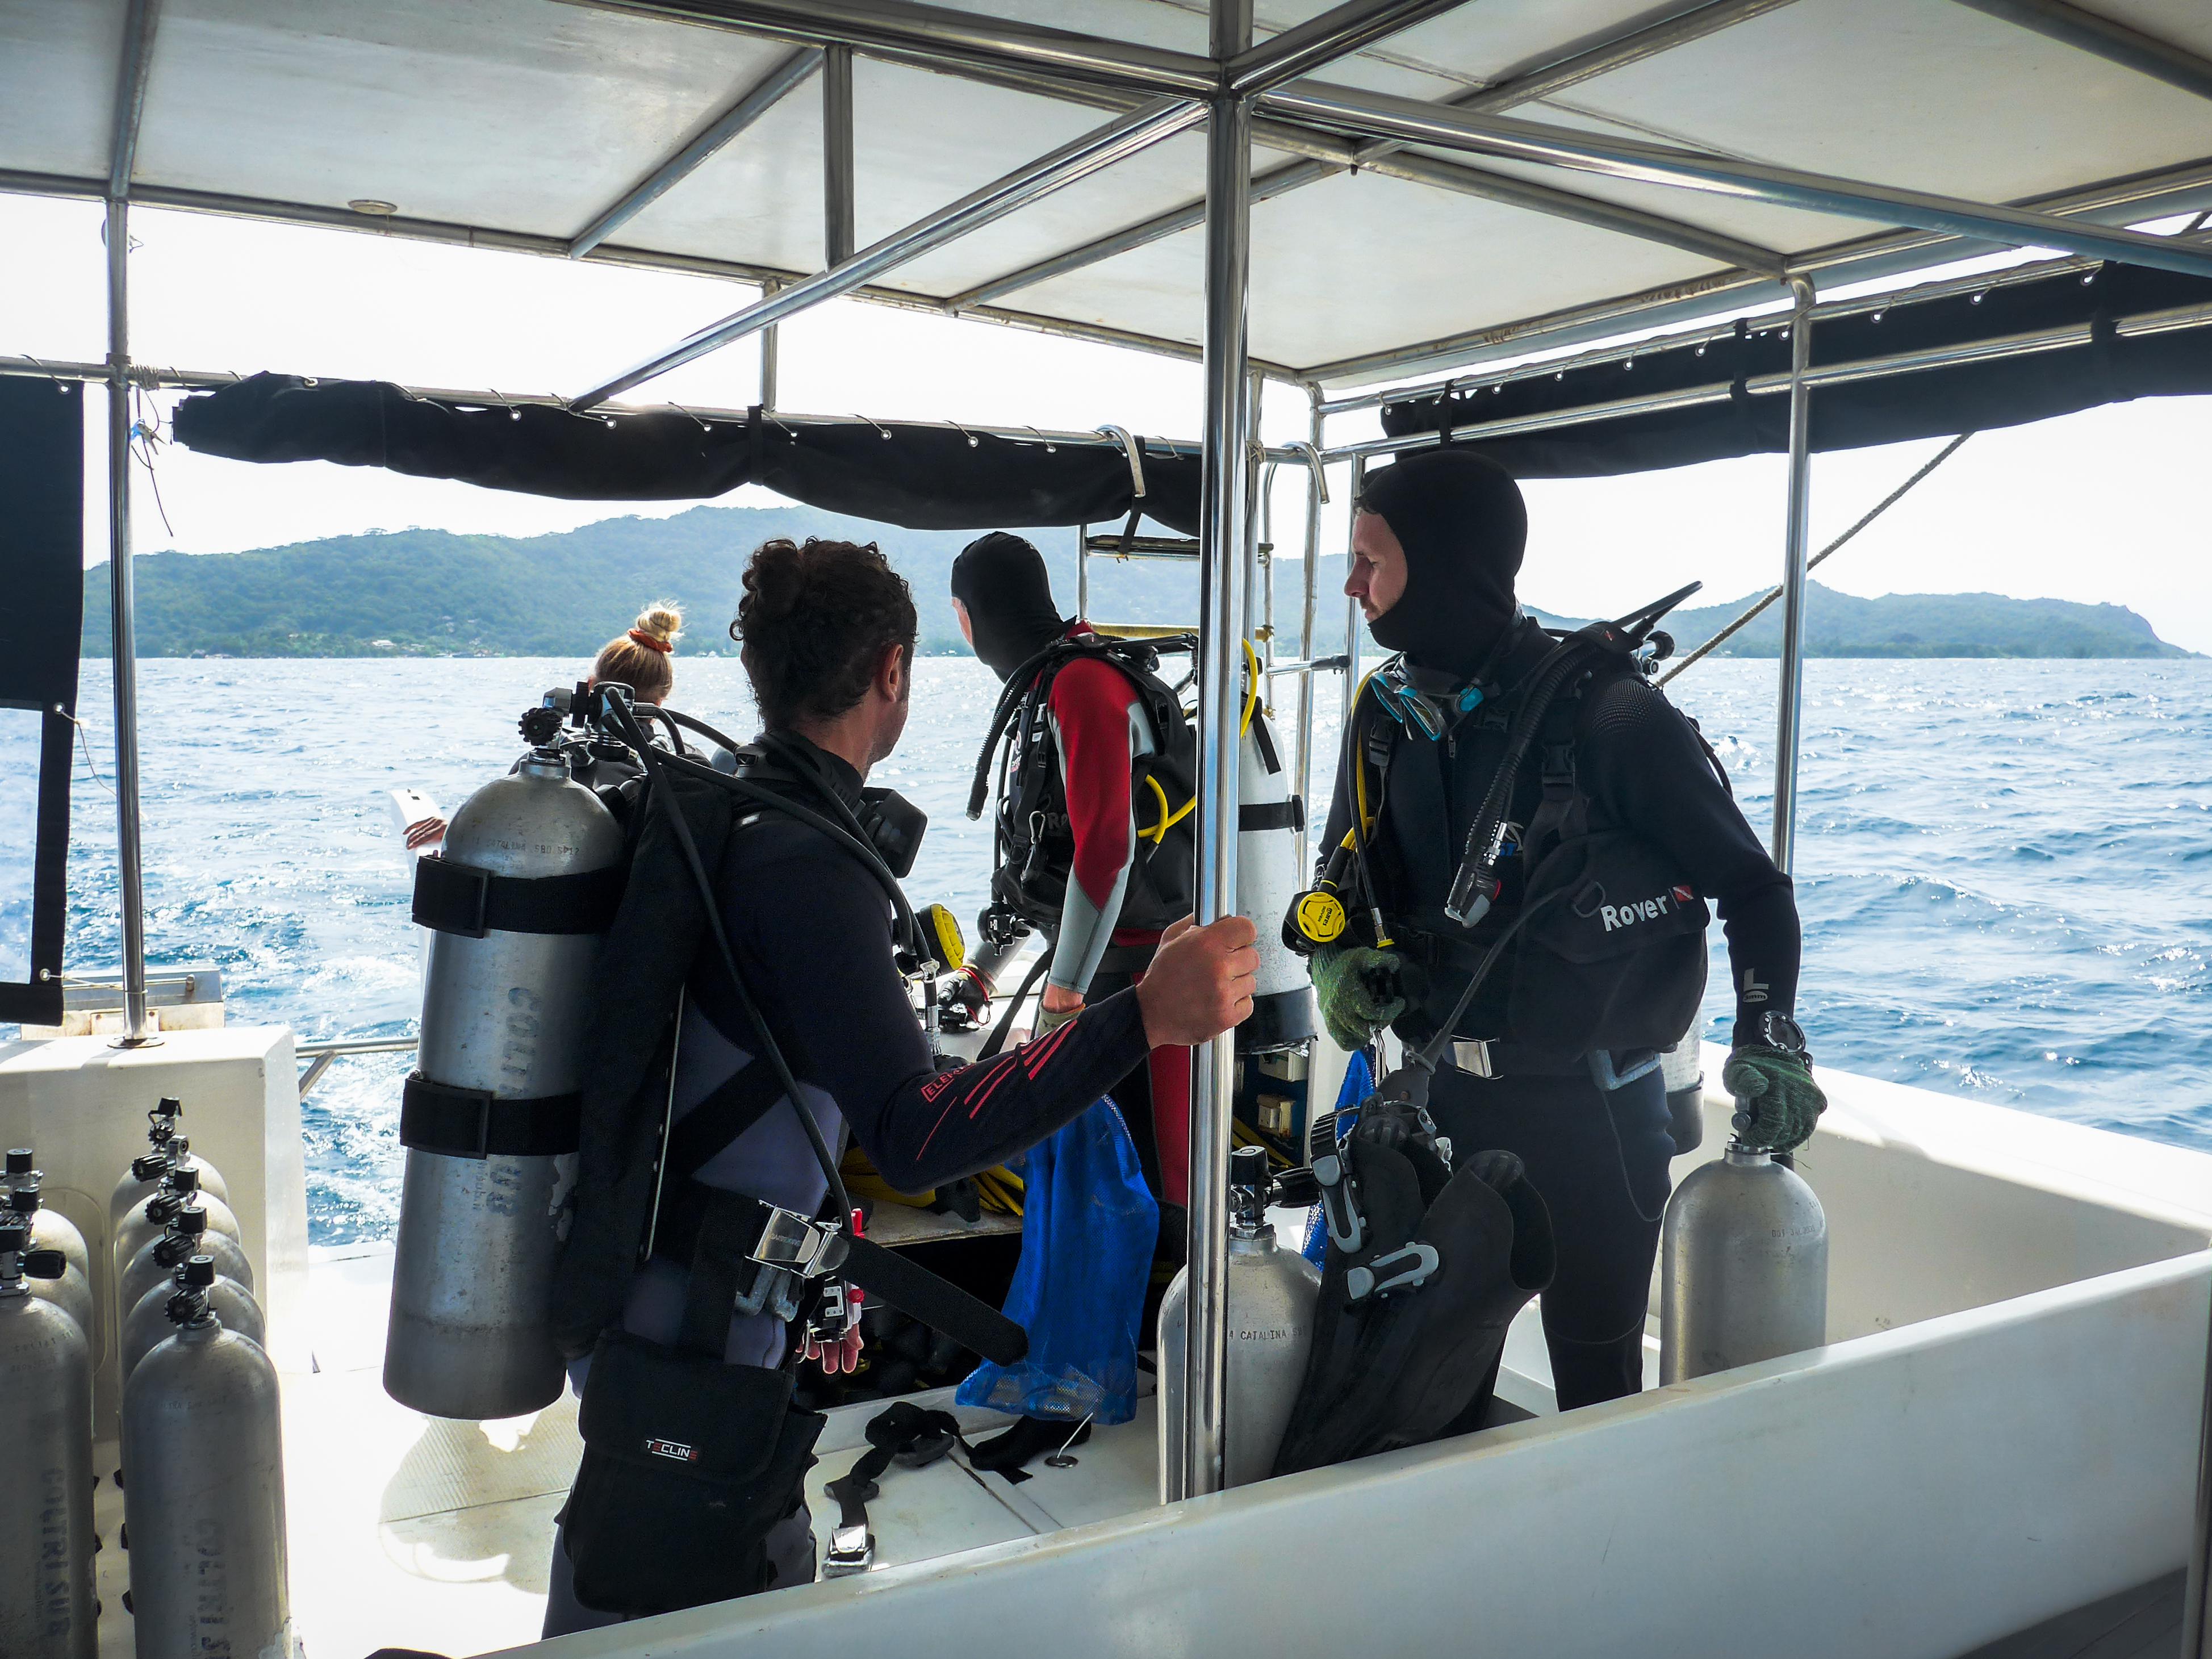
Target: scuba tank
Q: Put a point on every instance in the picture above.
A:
(1683, 1067)
(1743, 1269)
(146, 1170)
(46, 1606)
(50, 1231)
(147, 1325)
(206, 1501)
(158, 1259)
(71, 1289)
(1268, 818)
(1271, 1293)
(179, 1186)
(528, 881)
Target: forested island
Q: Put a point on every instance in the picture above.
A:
(431, 592)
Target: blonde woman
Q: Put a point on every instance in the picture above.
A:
(639, 658)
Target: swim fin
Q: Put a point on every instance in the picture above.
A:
(1411, 1325)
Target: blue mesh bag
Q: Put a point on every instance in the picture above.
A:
(1089, 1223)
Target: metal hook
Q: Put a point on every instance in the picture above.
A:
(1050, 448)
(882, 431)
(973, 441)
(704, 425)
(1136, 461)
(1314, 465)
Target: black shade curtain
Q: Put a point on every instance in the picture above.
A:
(42, 551)
(923, 477)
(1929, 402)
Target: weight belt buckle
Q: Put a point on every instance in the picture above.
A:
(1473, 1058)
(851, 1550)
(791, 1249)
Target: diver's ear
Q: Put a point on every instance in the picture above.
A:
(892, 670)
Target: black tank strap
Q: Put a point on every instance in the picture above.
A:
(435, 1117)
(460, 898)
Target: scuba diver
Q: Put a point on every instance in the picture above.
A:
(787, 1006)
(1554, 1056)
(1089, 723)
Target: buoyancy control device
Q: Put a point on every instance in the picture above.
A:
(518, 900)
(1033, 842)
(47, 1605)
(206, 1500)
(1034, 846)
(1614, 962)
(1270, 1292)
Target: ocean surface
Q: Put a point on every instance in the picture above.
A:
(2005, 867)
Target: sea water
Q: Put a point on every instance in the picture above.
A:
(2005, 867)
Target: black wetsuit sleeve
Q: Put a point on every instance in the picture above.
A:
(920, 1121)
(1644, 766)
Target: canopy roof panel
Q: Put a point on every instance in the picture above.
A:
(533, 120)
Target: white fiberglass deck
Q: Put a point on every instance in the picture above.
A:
(2002, 1432)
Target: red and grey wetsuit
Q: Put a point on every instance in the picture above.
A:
(1099, 728)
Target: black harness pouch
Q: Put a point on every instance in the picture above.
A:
(688, 1463)
(1615, 959)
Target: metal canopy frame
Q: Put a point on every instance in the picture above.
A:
(1244, 94)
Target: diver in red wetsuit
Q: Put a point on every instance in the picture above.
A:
(1118, 877)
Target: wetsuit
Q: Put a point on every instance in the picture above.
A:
(1099, 728)
(811, 932)
(1600, 1160)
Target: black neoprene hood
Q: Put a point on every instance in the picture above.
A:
(1460, 520)
(1002, 582)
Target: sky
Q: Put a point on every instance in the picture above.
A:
(2103, 507)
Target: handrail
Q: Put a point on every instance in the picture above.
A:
(319, 1055)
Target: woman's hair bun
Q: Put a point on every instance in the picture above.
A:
(662, 619)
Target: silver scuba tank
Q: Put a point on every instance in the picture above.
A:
(144, 1174)
(72, 1291)
(503, 1022)
(1268, 815)
(1271, 1295)
(179, 1187)
(1683, 1067)
(186, 1237)
(46, 1607)
(147, 1325)
(206, 1500)
(1743, 1267)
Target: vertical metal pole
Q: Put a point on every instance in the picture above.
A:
(837, 156)
(136, 1030)
(1223, 534)
(2195, 1637)
(1790, 695)
(1083, 572)
(771, 357)
(1306, 623)
(1352, 620)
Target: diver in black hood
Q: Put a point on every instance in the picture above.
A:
(1615, 773)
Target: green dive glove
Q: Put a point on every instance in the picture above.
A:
(1777, 1103)
(1360, 991)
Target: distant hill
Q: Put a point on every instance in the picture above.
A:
(429, 593)
(1930, 625)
